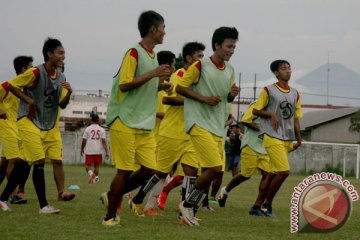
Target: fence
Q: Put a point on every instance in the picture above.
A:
(318, 156)
(310, 157)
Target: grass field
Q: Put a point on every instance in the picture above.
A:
(81, 218)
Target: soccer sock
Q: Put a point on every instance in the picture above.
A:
(176, 181)
(154, 194)
(139, 198)
(90, 173)
(13, 181)
(193, 198)
(187, 186)
(39, 184)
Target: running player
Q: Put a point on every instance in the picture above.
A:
(10, 139)
(208, 85)
(279, 109)
(131, 114)
(253, 156)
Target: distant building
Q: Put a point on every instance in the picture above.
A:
(77, 113)
(329, 126)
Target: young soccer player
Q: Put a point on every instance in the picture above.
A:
(279, 109)
(173, 143)
(94, 138)
(208, 85)
(9, 137)
(164, 57)
(38, 111)
(253, 156)
(131, 114)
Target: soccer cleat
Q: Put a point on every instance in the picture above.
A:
(16, 199)
(49, 210)
(208, 208)
(256, 211)
(212, 200)
(4, 206)
(151, 212)
(137, 209)
(66, 196)
(96, 179)
(222, 197)
(267, 211)
(188, 215)
(112, 221)
(162, 200)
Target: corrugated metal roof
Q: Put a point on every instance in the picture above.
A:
(315, 118)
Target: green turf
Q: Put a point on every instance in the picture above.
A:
(81, 218)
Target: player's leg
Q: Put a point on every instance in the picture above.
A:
(248, 166)
(278, 163)
(124, 160)
(210, 151)
(3, 167)
(146, 157)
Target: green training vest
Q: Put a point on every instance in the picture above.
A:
(138, 107)
(212, 82)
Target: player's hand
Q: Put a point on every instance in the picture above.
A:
(234, 90)
(296, 145)
(82, 152)
(31, 110)
(167, 87)
(212, 101)
(274, 121)
(106, 156)
(162, 71)
(66, 85)
(3, 115)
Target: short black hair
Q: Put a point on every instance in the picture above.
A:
(165, 57)
(190, 48)
(223, 33)
(148, 19)
(21, 62)
(94, 117)
(50, 45)
(275, 65)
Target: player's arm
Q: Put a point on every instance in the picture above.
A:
(173, 101)
(27, 79)
(234, 90)
(248, 119)
(104, 144)
(2, 114)
(29, 101)
(2, 96)
(298, 115)
(191, 77)
(129, 81)
(261, 103)
(65, 94)
(83, 143)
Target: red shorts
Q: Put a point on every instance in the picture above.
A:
(93, 159)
